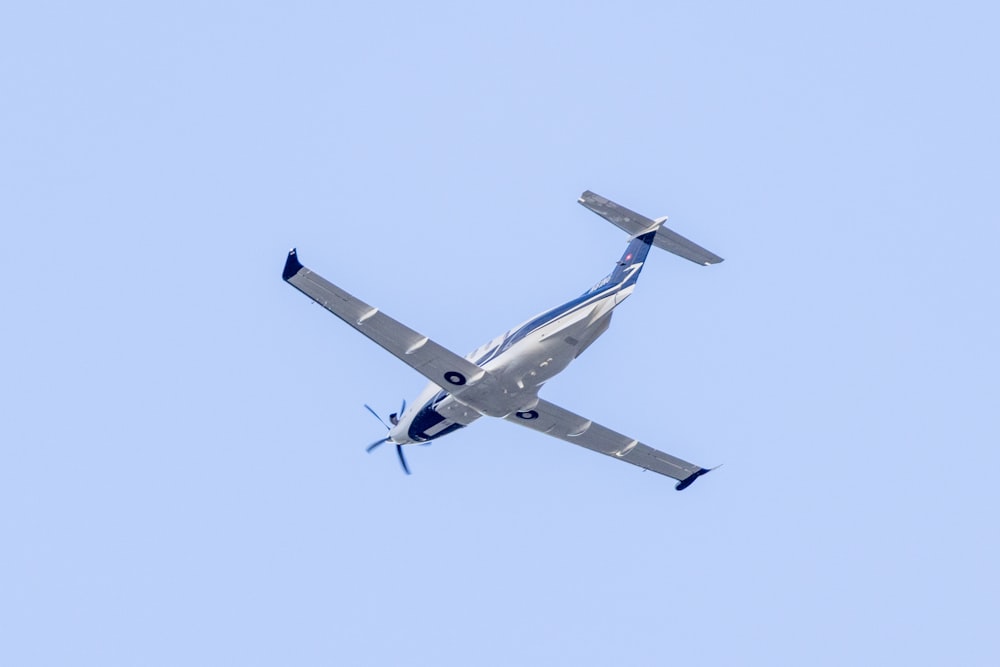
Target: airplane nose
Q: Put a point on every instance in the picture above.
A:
(398, 435)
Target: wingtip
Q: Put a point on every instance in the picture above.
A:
(690, 479)
(292, 264)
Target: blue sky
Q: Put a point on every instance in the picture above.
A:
(182, 469)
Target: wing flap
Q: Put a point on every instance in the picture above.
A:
(560, 423)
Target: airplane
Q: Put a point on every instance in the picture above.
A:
(502, 378)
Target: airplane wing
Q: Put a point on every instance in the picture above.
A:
(459, 376)
(563, 424)
(633, 223)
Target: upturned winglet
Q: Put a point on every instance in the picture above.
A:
(689, 480)
(292, 265)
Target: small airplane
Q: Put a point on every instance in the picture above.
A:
(502, 378)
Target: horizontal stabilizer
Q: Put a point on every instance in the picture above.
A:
(633, 223)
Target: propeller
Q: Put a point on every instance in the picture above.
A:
(394, 418)
(375, 444)
(369, 408)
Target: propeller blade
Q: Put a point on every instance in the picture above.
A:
(376, 444)
(402, 461)
(402, 409)
(376, 416)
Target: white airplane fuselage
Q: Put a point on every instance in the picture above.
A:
(521, 360)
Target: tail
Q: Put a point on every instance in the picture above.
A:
(639, 225)
(626, 272)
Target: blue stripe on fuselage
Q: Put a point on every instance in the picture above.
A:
(619, 278)
(546, 318)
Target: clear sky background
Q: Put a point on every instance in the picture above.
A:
(182, 470)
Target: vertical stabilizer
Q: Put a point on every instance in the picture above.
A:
(627, 270)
